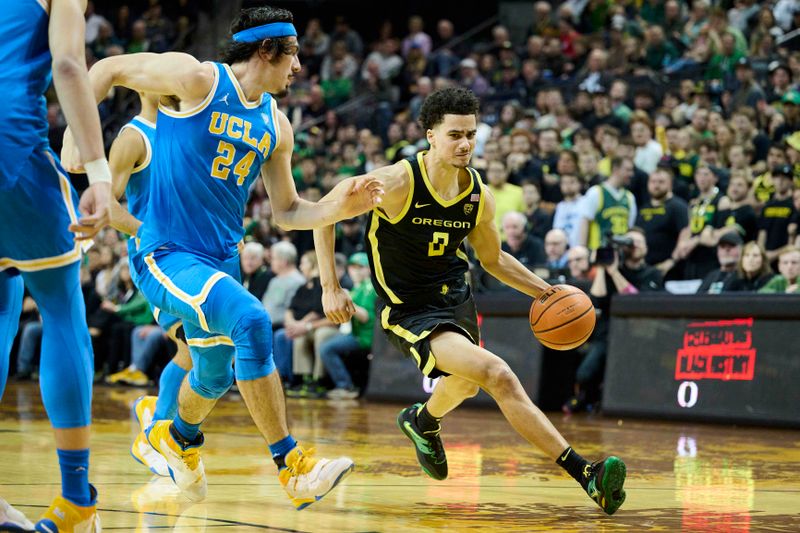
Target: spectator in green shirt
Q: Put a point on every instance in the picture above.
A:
(789, 267)
(358, 342)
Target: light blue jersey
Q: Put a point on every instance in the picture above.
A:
(137, 191)
(206, 160)
(25, 57)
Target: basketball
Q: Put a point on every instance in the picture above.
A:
(562, 318)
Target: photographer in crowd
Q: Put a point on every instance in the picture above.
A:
(620, 269)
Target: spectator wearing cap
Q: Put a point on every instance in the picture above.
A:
(749, 93)
(780, 82)
(648, 151)
(752, 271)
(777, 213)
(602, 113)
(471, 79)
(788, 280)
(662, 217)
(358, 342)
(729, 249)
(791, 115)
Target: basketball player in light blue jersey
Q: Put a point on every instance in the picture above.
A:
(130, 160)
(43, 40)
(187, 263)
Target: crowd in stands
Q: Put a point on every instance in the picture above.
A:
(630, 145)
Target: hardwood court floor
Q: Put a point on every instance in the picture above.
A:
(686, 477)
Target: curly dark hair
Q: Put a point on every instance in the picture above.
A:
(449, 101)
(258, 16)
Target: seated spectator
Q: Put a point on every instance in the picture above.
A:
(752, 271)
(146, 342)
(526, 248)
(788, 282)
(729, 250)
(282, 287)
(734, 212)
(30, 337)
(580, 269)
(648, 150)
(358, 342)
(775, 218)
(305, 329)
(632, 277)
(255, 275)
(555, 248)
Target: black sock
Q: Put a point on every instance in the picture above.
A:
(280, 461)
(427, 422)
(180, 439)
(575, 465)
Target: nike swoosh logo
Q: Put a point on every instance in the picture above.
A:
(418, 205)
(564, 457)
(420, 442)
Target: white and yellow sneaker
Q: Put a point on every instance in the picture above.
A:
(143, 410)
(307, 479)
(63, 516)
(184, 464)
(12, 519)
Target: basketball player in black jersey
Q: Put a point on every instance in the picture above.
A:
(433, 201)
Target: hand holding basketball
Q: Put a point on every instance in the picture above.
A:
(562, 317)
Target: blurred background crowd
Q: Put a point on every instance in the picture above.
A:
(631, 145)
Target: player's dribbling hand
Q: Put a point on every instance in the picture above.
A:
(358, 195)
(94, 207)
(70, 156)
(338, 305)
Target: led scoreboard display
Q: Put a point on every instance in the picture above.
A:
(730, 358)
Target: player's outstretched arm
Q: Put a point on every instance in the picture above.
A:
(349, 198)
(336, 302)
(486, 241)
(126, 152)
(67, 47)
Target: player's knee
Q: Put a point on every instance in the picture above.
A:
(499, 379)
(253, 328)
(211, 385)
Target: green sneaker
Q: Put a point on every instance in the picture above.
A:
(605, 483)
(430, 450)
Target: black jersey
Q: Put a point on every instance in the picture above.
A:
(418, 258)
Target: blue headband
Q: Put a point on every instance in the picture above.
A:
(259, 33)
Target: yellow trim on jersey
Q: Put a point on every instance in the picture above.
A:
(219, 340)
(276, 124)
(196, 109)
(439, 199)
(409, 198)
(148, 149)
(242, 98)
(193, 301)
(44, 4)
(460, 253)
(156, 312)
(399, 330)
(376, 259)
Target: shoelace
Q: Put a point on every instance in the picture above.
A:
(191, 457)
(305, 462)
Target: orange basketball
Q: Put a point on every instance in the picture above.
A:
(562, 317)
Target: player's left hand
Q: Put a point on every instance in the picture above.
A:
(94, 207)
(357, 195)
(338, 305)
